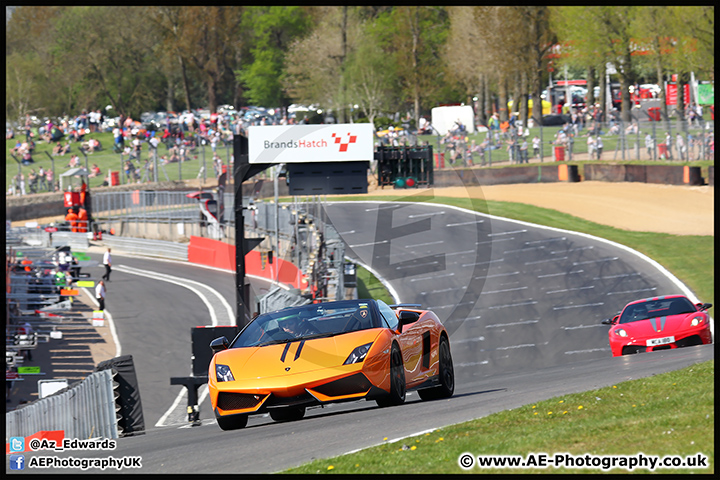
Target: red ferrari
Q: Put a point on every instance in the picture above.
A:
(659, 323)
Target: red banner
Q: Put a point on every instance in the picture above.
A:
(671, 94)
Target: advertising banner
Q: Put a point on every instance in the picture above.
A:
(706, 94)
(671, 94)
(342, 142)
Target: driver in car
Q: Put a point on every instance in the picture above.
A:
(298, 327)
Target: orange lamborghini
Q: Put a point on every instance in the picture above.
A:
(285, 361)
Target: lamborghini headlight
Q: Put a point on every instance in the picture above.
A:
(358, 355)
(621, 332)
(697, 321)
(223, 373)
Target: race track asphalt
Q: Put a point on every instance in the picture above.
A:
(522, 304)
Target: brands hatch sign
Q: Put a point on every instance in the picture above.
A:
(343, 142)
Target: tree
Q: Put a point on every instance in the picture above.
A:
(316, 63)
(691, 29)
(609, 37)
(465, 55)
(413, 39)
(169, 21)
(371, 81)
(539, 39)
(271, 31)
(30, 64)
(111, 61)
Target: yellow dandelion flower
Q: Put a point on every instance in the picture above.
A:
(549, 413)
(533, 406)
(561, 401)
(580, 407)
(564, 412)
(614, 386)
(535, 413)
(330, 467)
(385, 439)
(413, 447)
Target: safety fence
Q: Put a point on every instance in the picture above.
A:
(84, 410)
(147, 247)
(640, 139)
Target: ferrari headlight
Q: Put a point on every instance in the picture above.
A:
(696, 321)
(358, 355)
(621, 332)
(223, 373)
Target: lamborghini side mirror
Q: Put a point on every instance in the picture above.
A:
(219, 344)
(407, 317)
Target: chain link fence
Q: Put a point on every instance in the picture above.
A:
(575, 139)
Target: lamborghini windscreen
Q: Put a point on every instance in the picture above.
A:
(308, 321)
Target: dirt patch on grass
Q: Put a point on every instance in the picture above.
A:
(641, 207)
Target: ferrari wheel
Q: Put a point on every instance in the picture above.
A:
(446, 375)
(397, 380)
(234, 422)
(287, 414)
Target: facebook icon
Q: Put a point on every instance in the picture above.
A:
(17, 462)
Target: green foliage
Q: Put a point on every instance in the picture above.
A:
(370, 287)
(385, 59)
(272, 29)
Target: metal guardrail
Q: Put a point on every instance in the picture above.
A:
(85, 410)
(147, 247)
(76, 240)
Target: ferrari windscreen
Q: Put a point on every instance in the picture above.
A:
(308, 321)
(656, 308)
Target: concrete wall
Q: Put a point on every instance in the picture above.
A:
(662, 174)
(496, 176)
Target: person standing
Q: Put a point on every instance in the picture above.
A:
(71, 218)
(649, 144)
(107, 262)
(679, 144)
(100, 294)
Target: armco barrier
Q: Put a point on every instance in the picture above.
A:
(214, 253)
(148, 247)
(662, 174)
(85, 410)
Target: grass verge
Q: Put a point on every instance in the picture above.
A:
(368, 286)
(668, 414)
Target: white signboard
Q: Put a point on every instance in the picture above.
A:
(342, 142)
(48, 387)
(444, 119)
